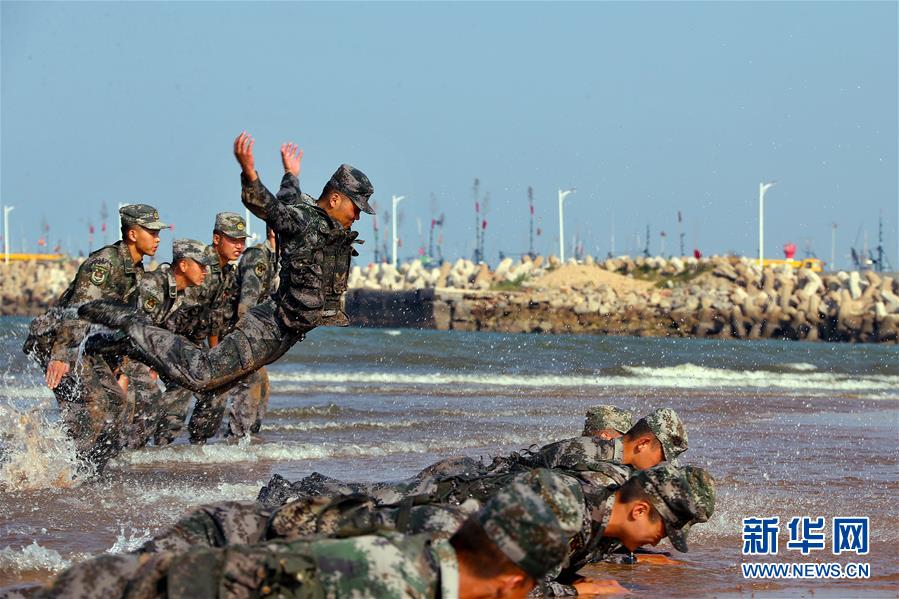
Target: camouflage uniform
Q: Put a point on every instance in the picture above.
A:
(156, 415)
(315, 256)
(278, 491)
(93, 406)
(529, 521)
(219, 293)
(192, 319)
(682, 497)
(256, 280)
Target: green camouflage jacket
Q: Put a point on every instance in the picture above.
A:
(256, 276)
(109, 273)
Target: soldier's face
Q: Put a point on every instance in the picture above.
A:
(642, 453)
(194, 272)
(228, 248)
(145, 240)
(643, 526)
(343, 210)
(606, 434)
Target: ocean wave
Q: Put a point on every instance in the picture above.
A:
(335, 425)
(190, 495)
(306, 411)
(799, 366)
(278, 452)
(684, 376)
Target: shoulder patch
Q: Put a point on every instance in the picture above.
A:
(100, 273)
(150, 304)
(260, 269)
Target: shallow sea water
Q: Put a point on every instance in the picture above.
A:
(787, 429)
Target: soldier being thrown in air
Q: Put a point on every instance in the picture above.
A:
(315, 249)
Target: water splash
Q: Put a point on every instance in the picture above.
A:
(34, 557)
(135, 538)
(36, 453)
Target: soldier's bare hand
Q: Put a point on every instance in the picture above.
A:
(291, 157)
(656, 558)
(55, 371)
(596, 586)
(243, 151)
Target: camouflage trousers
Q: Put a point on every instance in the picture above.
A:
(259, 338)
(249, 402)
(173, 409)
(93, 408)
(144, 403)
(208, 414)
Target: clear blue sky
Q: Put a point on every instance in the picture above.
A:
(645, 108)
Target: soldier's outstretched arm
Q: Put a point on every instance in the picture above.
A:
(256, 197)
(92, 281)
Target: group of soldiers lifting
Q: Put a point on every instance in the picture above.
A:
(517, 524)
(110, 401)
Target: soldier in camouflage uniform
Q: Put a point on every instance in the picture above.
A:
(500, 551)
(567, 453)
(315, 248)
(658, 436)
(161, 295)
(257, 279)
(92, 403)
(219, 294)
(663, 501)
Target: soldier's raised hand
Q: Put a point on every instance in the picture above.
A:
(291, 157)
(243, 151)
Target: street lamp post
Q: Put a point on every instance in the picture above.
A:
(396, 200)
(833, 247)
(763, 187)
(562, 196)
(6, 211)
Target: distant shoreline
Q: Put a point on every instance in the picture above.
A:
(718, 297)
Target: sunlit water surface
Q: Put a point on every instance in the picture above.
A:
(787, 429)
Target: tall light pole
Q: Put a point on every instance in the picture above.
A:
(6, 211)
(763, 187)
(562, 196)
(396, 200)
(833, 247)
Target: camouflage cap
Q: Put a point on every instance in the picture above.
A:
(353, 183)
(532, 519)
(682, 496)
(144, 215)
(191, 248)
(603, 417)
(666, 425)
(231, 224)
